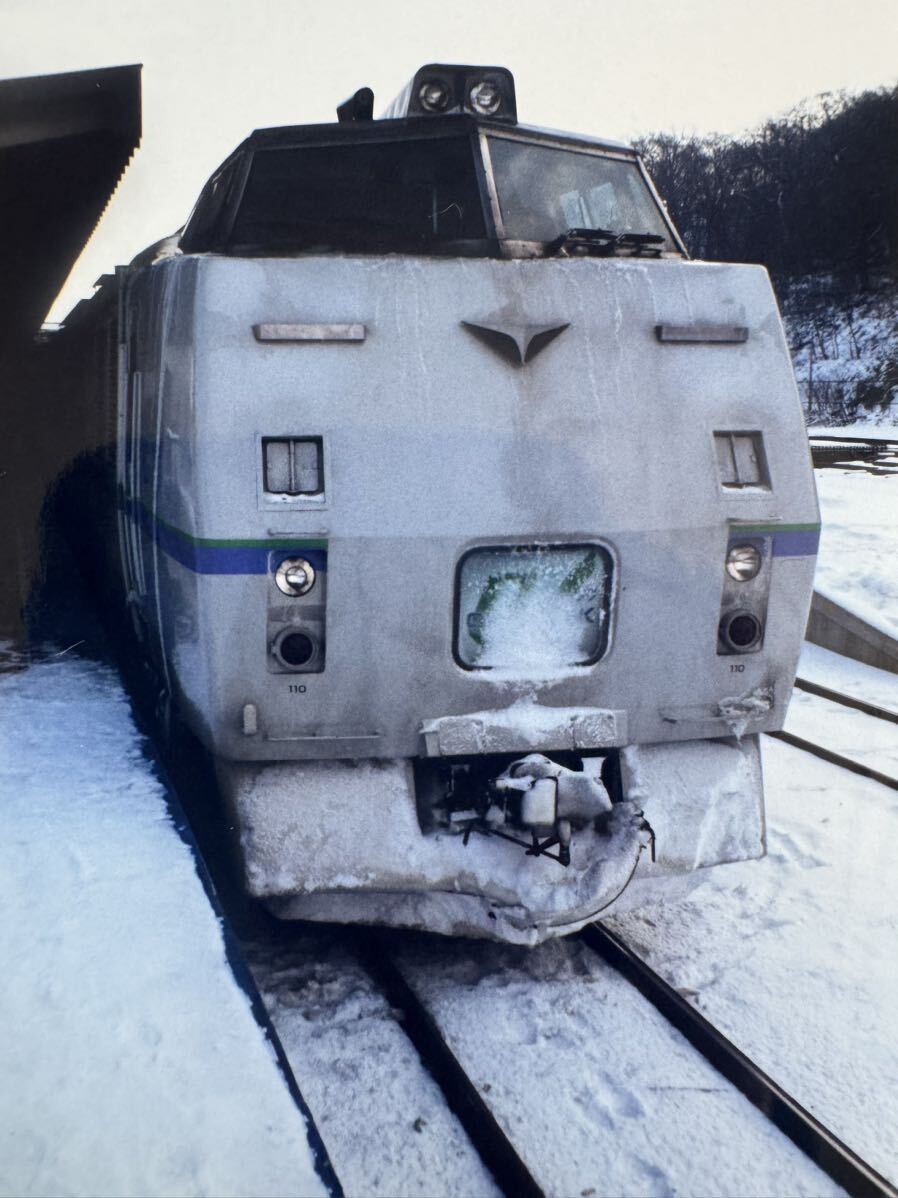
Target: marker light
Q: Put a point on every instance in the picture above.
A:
(295, 576)
(743, 562)
(295, 649)
(740, 631)
(485, 97)
(433, 95)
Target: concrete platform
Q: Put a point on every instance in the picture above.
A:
(836, 628)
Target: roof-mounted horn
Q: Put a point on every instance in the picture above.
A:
(359, 107)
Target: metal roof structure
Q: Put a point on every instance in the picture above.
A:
(65, 141)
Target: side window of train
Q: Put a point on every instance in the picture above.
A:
(203, 225)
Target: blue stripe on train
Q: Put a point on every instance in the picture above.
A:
(236, 558)
(796, 542)
(233, 559)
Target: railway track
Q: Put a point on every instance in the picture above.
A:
(497, 1149)
(464, 1099)
(809, 1134)
(876, 453)
(846, 763)
(826, 754)
(824, 692)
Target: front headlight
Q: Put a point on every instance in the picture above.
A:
(295, 576)
(743, 562)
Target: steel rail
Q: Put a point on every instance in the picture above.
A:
(828, 1152)
(461, 1094)
(847, 763)
(824, 692)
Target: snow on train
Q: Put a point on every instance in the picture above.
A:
(469, 523)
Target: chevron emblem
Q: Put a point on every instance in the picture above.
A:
(515, 343)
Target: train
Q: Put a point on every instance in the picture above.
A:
(467, 522)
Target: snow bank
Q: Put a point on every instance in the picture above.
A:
(858, 565)
(131, 1061)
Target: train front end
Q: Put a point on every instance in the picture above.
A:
(502, 518)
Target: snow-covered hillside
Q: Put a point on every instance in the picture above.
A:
(844, 351)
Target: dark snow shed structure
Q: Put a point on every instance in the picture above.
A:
(65, 141)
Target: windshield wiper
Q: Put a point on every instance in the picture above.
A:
(604, 243)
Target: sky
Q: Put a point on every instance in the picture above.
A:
(214, 70)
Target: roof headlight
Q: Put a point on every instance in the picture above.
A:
(743, 562)
(434, 95)
(295, 576)
(440, 88)
(485, 97)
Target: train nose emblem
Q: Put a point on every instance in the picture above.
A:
(515, 343)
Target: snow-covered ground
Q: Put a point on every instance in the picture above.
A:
(130, 1060)
(793, 957)
(879, 429)
(879, 687)
(858, 562)
(381, 1115)
(851, 733)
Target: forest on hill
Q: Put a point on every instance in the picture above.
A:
(813, 195)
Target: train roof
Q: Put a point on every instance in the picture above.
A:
(278, 137)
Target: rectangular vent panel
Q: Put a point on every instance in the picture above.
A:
(741, 460)
(293, 465)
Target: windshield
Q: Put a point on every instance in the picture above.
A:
(411, 195)
(544, 190)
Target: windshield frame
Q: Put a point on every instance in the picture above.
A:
(516, 248)
(208, 231)
(210, 225)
